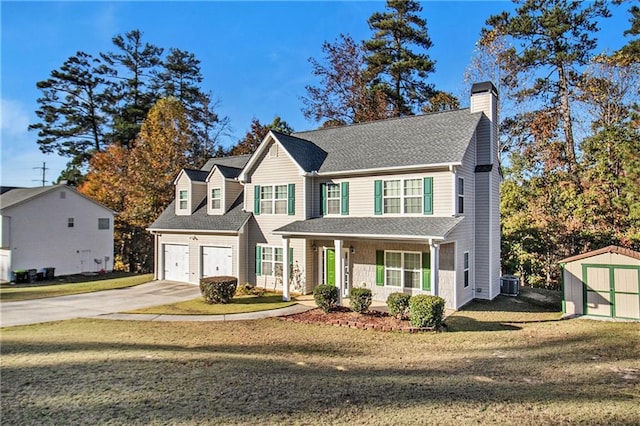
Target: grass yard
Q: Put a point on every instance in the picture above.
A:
(503, 363)
(238, 305)
(12, 293)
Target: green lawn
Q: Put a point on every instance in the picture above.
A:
(10, 293)
(239, 304)
(504, 363)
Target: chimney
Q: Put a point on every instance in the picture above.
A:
(484, 98)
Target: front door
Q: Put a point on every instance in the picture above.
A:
(330, 269)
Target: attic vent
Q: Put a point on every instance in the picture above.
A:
(63, 194)
(273, 151)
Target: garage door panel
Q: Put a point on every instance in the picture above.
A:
(598, 303)
(216, 261)
(626, 280)
(627, 305)
(176, 262)
(598, 279)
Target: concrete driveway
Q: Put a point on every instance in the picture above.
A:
(95, 304)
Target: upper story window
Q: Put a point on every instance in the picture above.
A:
(335, 198)
(216, 198)
(183, 199)
(273, 199)
(103, 223)
(402, 196)
(460, 195)
(70, 222)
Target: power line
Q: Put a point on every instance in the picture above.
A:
(44, 169)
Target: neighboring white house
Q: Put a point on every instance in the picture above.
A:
(54, 227)
(408, 204)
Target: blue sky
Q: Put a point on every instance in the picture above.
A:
(254, 55)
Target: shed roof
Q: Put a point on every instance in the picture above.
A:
(610, 249)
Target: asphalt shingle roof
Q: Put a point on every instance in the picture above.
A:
(308, 155)
(228, 172)
(408, 227)
(408, 141)
(236, 161)
(196, 175)
(231, 221)
(18, 195)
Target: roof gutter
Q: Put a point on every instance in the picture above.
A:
(387, 169)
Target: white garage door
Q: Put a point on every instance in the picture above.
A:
(176, 262)
(216, 261)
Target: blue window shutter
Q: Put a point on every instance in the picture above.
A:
(323, 199)
(378, 197)
(344, 194)
(256, 199)
(258, 261)
(428, 195)
(379, 267)
(426, 272)
(292, 199)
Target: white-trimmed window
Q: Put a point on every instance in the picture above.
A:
(216, 198)
(460, 195)
(403, 269)
(271, 260)
(466, 268)
(333, 198)
(183, 199)
(273, 199)
(70, 222)
(103, 223)
(402, 196)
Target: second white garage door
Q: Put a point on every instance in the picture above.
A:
(216, 261)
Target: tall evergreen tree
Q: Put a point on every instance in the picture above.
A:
(257, 133)
(131, 69)
(71, 110)
(393, 65)
(554, 39)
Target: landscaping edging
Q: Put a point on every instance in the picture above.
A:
(359, 325)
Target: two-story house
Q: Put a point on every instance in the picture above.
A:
(407, 204)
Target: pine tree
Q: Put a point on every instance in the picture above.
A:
(258, 132)
(392, 65)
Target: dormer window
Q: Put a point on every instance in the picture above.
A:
(183, 199)
(216, 198)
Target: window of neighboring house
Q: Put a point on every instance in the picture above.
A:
(333, 198)
(403, 269)
(70, 222)
(466, 269)
(273, 199)
(216, 201)
(460, 195)
(271, 260)
(103, 223)
(183, 198)
(402, 196)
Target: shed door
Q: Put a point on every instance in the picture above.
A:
(612, 291)
(216, 261)
(176, 262)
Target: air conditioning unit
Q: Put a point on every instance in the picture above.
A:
(510, 285)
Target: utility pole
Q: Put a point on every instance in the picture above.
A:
(44, 170)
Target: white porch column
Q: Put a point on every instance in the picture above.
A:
(339, 269)
(285, 270)
(434, 251)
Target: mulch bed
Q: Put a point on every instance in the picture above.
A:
(344, 317)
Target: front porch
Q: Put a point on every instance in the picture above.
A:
(378, 260)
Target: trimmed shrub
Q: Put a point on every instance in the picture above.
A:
(360, 299)
(248, 289)
(426, 310)
(218, 289)
(398, 304)
(326, 296)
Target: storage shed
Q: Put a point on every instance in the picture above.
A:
(603, 283)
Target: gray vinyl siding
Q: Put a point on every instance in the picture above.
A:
(495, 231)
(198, 193)
(195, 252)
(362, 197)
(483, 234)
(230, 193)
